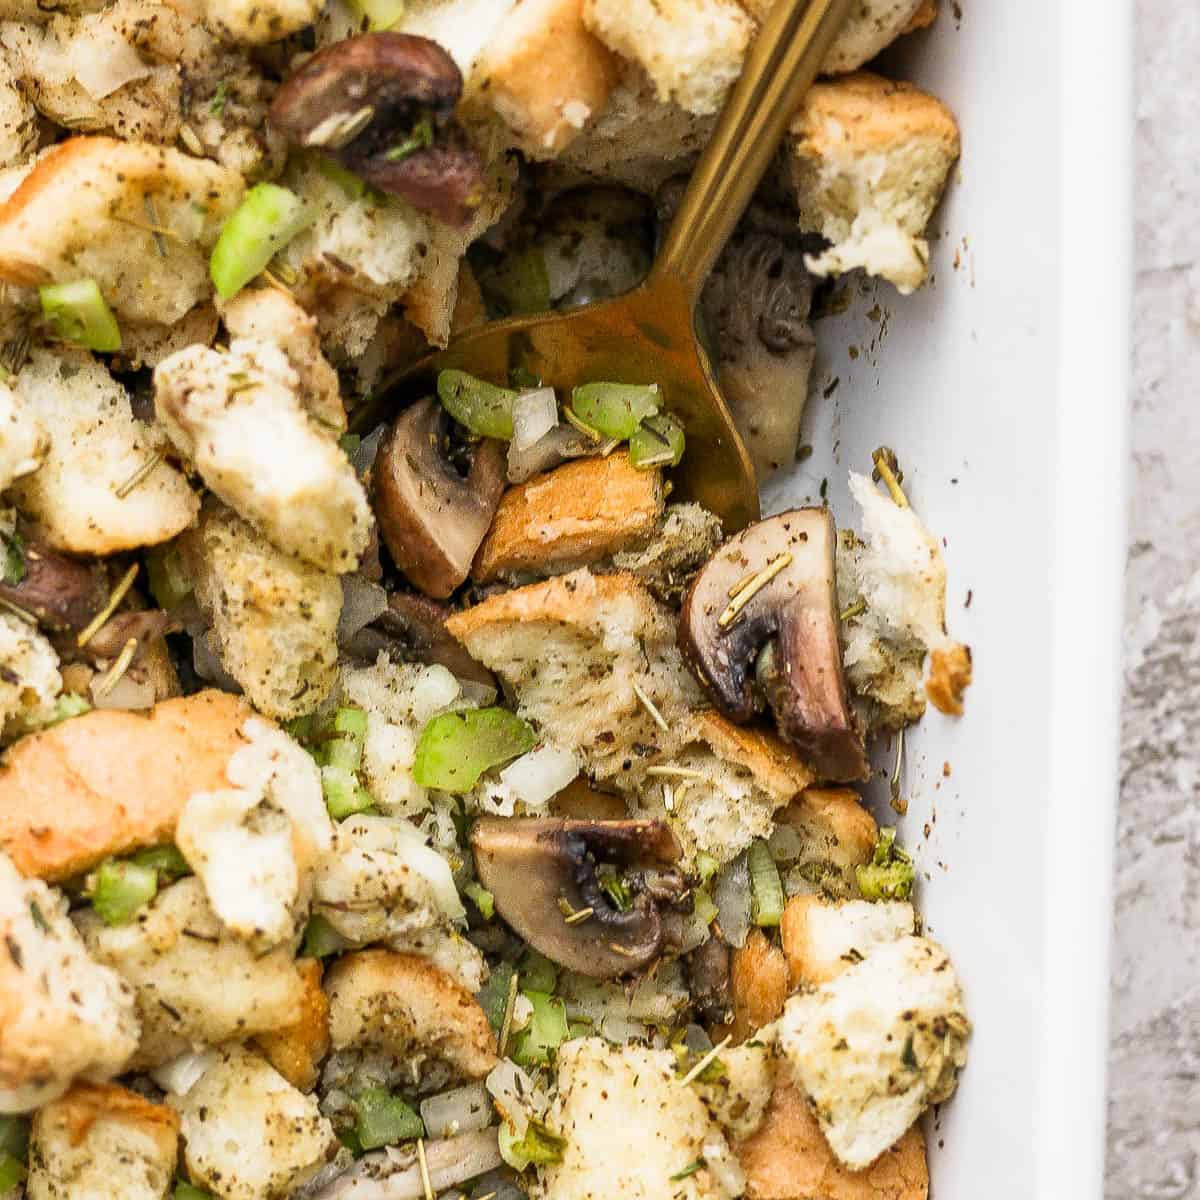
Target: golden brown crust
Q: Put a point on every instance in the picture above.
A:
(838, 811)
(297, 1050)
(758, 986)
(923, 17)
(787, 1158)
(794, 934)
(863, 113)
(545, 73)
(775, 767)
(86, 1103)
(949, 678)
(110, 781)
(572, 516)
(559, 601)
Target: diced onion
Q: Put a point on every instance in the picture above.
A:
(476, 694)
(461, 1110)
(103, 61)
(542, 773)
(266, 220)
(362, 603)
(551, 450)
(127, 693)
(534, 414)
(731, 892)
(182, 1074)
(77, 312)
(513, 1092)
(449, 1161)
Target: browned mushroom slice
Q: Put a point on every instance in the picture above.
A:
(548, 877)
(63, 593)
(383, 105)
(431, 517)
(418, 624)
(775, 580)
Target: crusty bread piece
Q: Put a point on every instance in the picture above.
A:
(877, 1044)
(62, 1015)
(30, 681)
(570, 517)
(576, 650)
(869, 158)
(544, 74)
(96, 444)
(837, 834)
(821, 940)
(194, 982)
(692, 50)
(247, 1133)
(128, 776)
(925, 16)
(687, 536)
(722, 789)
(758, 986)
(789, 1159)
(297, 1049)
(146, 343)
(102, 1142)
(18, 118)
(82, 213)
(274, 617)
(406, 1006)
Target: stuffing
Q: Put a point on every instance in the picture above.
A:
(544, 74)
(404, 1007)
(758, 986)
(239, 415)
(102, 1142)
(692, 50)
(102, 761)
(194, 982)
(268, 315)
(381, 882)
(821, 940)
(247, 1133)
(588, 658)
(61, 1014)
(821, 838)
(869, 159)
(687, 536)
(721, 790)
(297, 1049)
(876, 1045)
(633, 1129)
(736, 1093)
(570, 517)
(81, 213)
(253, 22)
(146, 344)
(95, 445)
(254, 844)
(29, 678)
(630, 1009)
(895, 570)
(274, 617)
(18, 118)
(788, 1158)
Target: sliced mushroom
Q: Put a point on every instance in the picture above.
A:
(544, 874)
(432, 518)
(708, 980)
(63, 593)
(775, 580)
(419, 625)
(383, 105)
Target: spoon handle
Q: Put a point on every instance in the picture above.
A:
(780, 68)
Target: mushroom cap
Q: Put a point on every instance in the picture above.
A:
(532, 865)
(775, 581)
(430, 517)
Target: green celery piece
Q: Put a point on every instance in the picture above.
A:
(540, 1146)
(615, 409)
(384, 1119)
(76, 312)
(546, 1031)
(482, 407)
(350, 721)
(268, 217)
(482, 899)
(766, 889)
(493, 996)
(538, 973)
(165, 859)
(343, 795)
(122, 888)
(657, 442)
(320, 939)
(456, 748)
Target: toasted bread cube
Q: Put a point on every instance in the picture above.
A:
(821, 940)
(297, 1050)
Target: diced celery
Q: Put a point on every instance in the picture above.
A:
(493, 996)
(350, 721)
(384, 1119)
(482, 899)
(482, 407)
(456, 748)
(353, 185)
(122, 887)
(13, 558)
(67, 705)
(320, 939)
(165, 859)
(266, 220)
(766, 888)
(657, 442)
(538, 973)
(703, 906)
(615, 409)
(546, 1031)
(76, 312)
(890, 873)
(12, 1173)
(344, 752)
(343, 796)
(540, 1146)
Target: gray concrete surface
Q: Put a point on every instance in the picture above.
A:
(1154, 1059)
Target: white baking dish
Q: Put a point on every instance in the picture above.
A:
(1002, 389)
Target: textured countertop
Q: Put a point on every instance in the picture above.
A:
(1154, 1059)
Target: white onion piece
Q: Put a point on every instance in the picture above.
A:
(542, 773)
(181, 1074)
(362, 603)
(102, 61)
(534, 414)
(461, 1110)
(396, 1174)
(731, 894)
(561, 443)
(513, 1092)
(476, 694)
(127, 693)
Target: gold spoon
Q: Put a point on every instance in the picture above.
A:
(649, 335)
